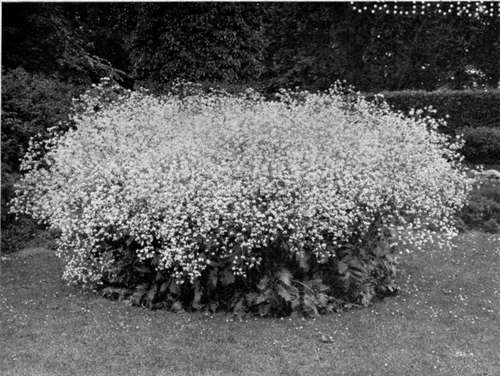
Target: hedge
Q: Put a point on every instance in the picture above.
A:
(465, 108)
(482, 144)
(482, 211)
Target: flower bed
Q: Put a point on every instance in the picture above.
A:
(216, 201)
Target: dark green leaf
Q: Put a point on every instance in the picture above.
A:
(239, 307)
(284, 276)
(264, 309)
(261, 298)
(114, 293)
(342, 267)
(143, 287)
(136, 298)
(309, 305)
(284, 293)
(142, 269)
(213, 306)
(263, 283)
(212, 279)
(150, 297)
(174, 288)
(251, 297)
(226, 277)
(198, 293)
(164, 287)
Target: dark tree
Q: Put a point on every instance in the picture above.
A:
(219, 42)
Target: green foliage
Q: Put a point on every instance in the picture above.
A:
(421, 52)
(279, 287)
(483, 209)
(32, 36)
(460, 108)
(473, 113)
(58, 39)
(482, 144)
(302, 49)
(31, 103)
(312, 44)
(275, 45)
(104, 30)
(198, 42)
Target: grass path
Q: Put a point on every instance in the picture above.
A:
(446, 321)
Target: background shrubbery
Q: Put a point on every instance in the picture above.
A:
(460, 108)
(482, 144)
(31, 103)
(483, 207)
(474, 114)
(304, 44)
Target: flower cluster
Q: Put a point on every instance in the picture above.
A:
(206, 178)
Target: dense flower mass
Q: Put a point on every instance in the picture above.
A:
(202, 178)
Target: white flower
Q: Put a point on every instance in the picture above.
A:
(215, 177)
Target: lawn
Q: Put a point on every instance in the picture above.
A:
(445, 321)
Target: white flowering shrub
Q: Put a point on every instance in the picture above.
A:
(234, 202)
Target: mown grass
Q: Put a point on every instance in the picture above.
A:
(445, 321)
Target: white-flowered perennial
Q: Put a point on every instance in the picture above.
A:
(218, 177)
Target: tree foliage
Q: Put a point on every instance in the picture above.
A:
(267, 44)
(43, 38)
(313, 44)
(199, 42)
